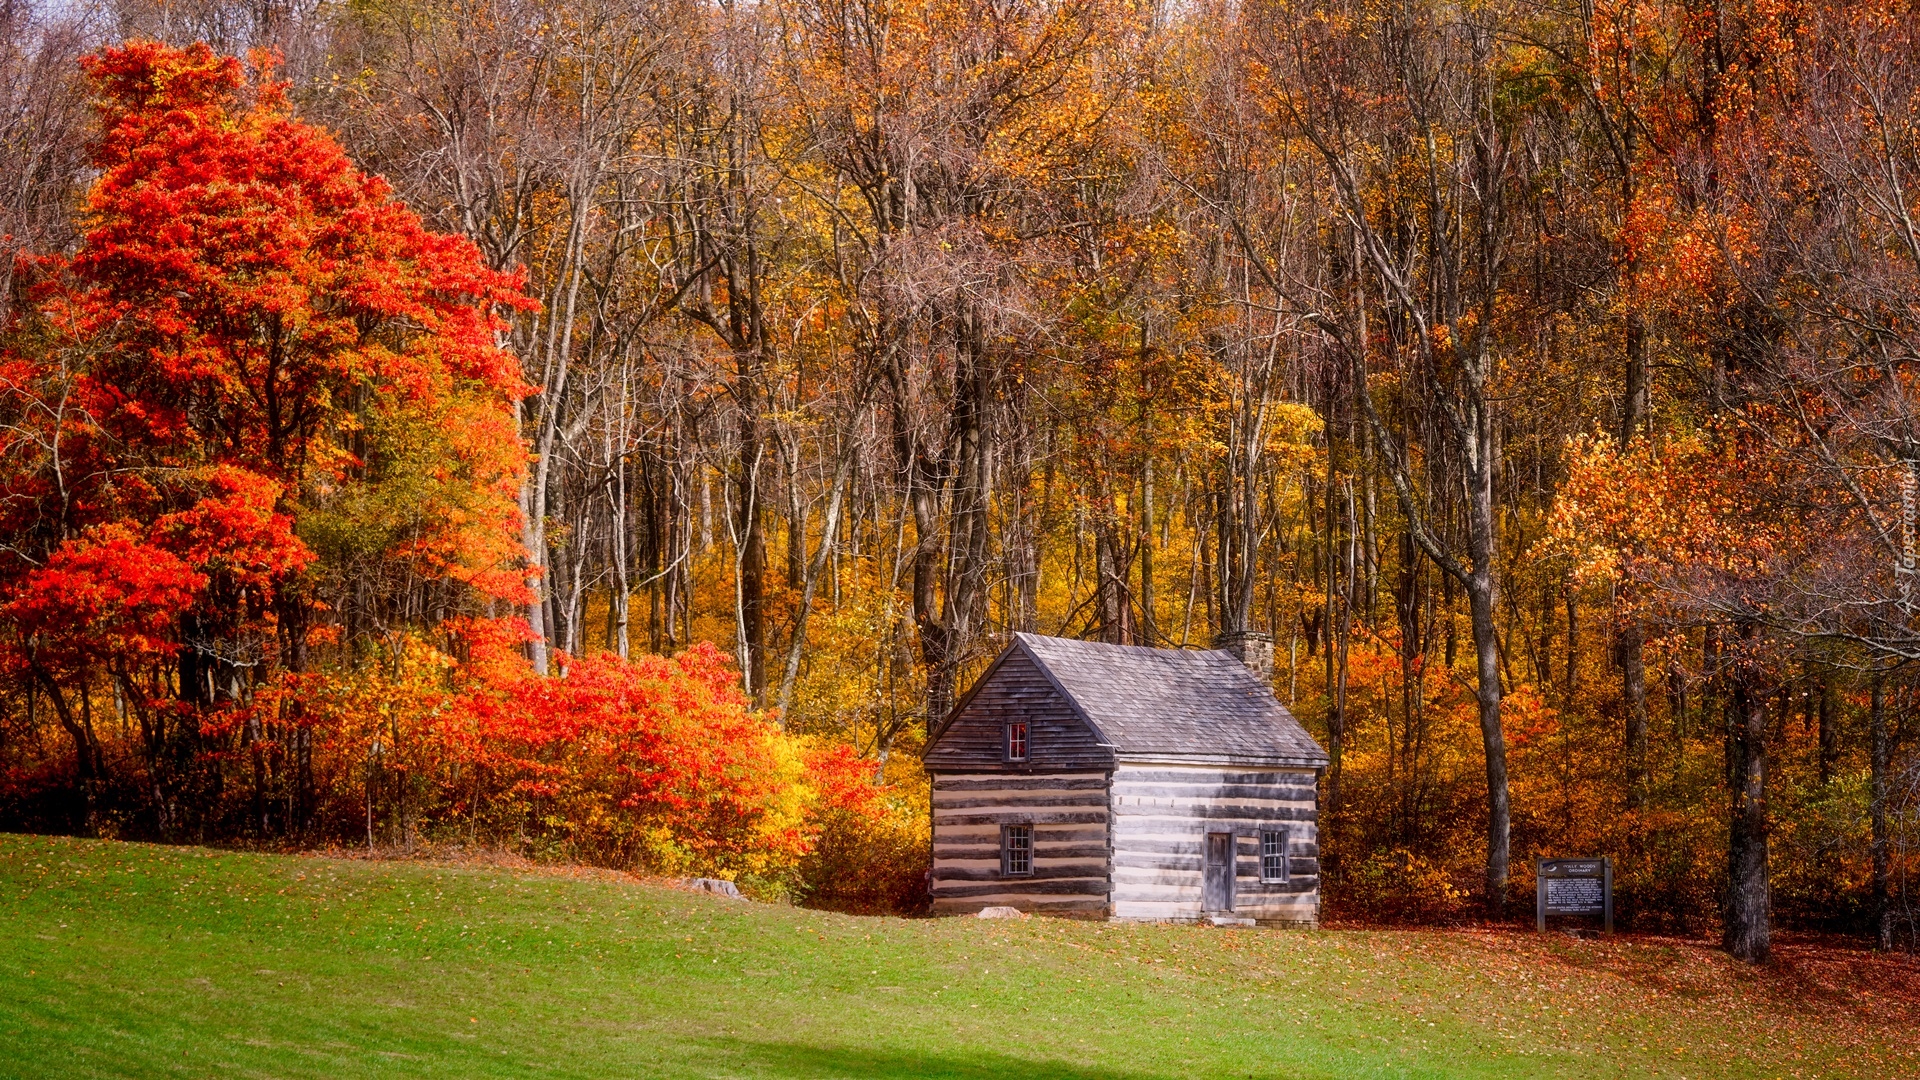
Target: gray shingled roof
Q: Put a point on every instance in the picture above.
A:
(1177, 704)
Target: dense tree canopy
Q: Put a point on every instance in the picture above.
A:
(1538, 376)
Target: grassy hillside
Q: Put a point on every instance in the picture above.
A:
(130, 960)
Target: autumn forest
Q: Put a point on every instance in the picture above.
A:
(614, 430)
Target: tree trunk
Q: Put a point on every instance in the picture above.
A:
(751, 564)
(1486, 644)
(1746, 931)
(1105, 603)
(1409, 602)
(1336, 699)
(935, 639)
(1344, 640)
(1369, 518)
(1573, 646)
(618, 544)
(1630, 645)
(1878, 752)
(1829, 729)
(258, 758)
(536, 490)
(810, 583)
(294, 615)
(1630, 652)
(1476, 452)
(1633, 408)
(947, 638)
(86, 755)
(1149, 632)
(1480, 466)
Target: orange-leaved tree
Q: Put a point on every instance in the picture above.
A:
(246, 314)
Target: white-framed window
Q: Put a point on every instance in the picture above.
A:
(1017, 741)
(1273, 855)
(1016, 850)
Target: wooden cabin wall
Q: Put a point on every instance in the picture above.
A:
(1161, 815)
(1068, 812)
(1016, 689)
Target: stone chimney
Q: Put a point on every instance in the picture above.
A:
(1252, 648)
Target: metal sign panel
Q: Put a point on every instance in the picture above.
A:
(1573, 887)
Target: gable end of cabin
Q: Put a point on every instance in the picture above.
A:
(1015, 720)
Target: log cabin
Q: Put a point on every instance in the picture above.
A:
(1119, 782)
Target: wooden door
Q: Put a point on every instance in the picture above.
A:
(1216, 889)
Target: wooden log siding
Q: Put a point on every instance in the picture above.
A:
(1161, 815)
(1068, 812)
(974, 737)
(1133, 756)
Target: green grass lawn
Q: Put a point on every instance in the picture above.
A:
(133, 960)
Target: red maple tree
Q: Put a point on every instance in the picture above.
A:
(202, 373)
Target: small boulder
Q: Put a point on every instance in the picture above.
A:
(715, 886)
(1002, 913)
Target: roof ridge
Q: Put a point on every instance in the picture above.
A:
(1170, 701)
(1024, 641)
(1166, 650)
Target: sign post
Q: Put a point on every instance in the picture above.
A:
(1573, 887)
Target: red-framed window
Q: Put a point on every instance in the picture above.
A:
(1017, 741)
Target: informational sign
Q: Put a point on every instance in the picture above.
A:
(1573, 887)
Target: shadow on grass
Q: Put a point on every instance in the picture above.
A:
(802, 1062)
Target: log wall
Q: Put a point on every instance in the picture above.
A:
(1068, 812)
(1161, 815)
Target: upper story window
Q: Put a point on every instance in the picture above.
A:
(1273, 855)
(1017, 741)
(1016, 850)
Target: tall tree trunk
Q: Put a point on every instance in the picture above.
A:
(1344, 640)
(935, 639)
(1630, 653)
(294, 613)
(747, 332)
(1543, 641)
(947, 639)
(1829, 710)
(258, 796)
(1487, 693)
(1408, 605)
(1878, 752)
(1479, 467)
(1475, 457)
(1630, 642)
(621, 549)
(1746, 933)
(796, 520)
(750, 565)
(1369, 518)
(533, 538)
(556, 370)
(944, 625)
(1633, 409)
(1149, 631)
(1573, 645)
(1109, 583)
(1336, 698)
